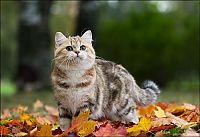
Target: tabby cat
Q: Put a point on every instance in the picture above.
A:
(83, 81)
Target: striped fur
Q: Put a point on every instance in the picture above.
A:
(87, 82)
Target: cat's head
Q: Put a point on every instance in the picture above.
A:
(74, 53)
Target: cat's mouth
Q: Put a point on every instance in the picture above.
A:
(78, 57)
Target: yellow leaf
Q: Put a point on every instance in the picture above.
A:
(4, 121)
(27, 118)
(144, 124)
(80, 119)
(159, 113)
(20, 134)
(87, 128)
(134, 131)
(45, 131)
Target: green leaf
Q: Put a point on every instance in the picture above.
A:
(175, 132)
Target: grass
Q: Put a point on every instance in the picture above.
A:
(181, 91)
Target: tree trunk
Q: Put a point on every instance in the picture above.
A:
(34, 45)
(87, 17)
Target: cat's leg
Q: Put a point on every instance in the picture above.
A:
(127, 112)
(64, 118)
(130, 115)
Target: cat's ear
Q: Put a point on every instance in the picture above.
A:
(59, 39)
(87, 36)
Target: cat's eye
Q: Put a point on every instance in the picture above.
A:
(82, 47)
(69, 48)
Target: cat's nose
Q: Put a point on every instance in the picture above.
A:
(77, 52)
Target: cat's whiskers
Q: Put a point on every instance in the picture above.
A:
(62, 62)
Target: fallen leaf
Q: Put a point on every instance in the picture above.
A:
(82, 117)
(159, 134)
(4, 121)
(175, 109)
(27, 118)
(143, 126)
(146, 111)
(38, 104)
(77, 122)
(52, 110)
(45, 131)
(33, 131)
(176, 120)
(4, 130)
(161, 121)
(108, 130)
(162, 105)
(15, 122)
(20, 134)
(159, 113)
(190, 133)
(189, 106)
(15, 130)
(5, 114)
(134, 131)
(161, 128)
(87, 128)
(42, 120)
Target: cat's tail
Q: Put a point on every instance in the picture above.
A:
(149, 93)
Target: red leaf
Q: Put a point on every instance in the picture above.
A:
(4, 130)
(108, 130)
(162, 105)
(15, 123)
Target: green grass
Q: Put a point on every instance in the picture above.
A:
(178, 96)
(27, 99)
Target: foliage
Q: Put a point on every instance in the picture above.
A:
(8, 88)
(150, 43)
(160, 119)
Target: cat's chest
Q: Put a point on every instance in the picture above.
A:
(73, 100)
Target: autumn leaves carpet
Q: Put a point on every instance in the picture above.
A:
(160, 119)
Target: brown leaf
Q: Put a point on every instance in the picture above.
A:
(161, 121)
(51, 110)
(190, 133)
(163, 127)
(38, 104)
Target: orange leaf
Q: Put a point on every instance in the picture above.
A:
(108, 130)
(45, 131)
(4, 130)
(77, 122)
(147, 111)
(82, 117)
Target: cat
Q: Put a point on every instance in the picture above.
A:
(82, 82)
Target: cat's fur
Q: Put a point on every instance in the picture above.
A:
(81, 82)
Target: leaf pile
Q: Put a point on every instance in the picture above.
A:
(160, 119)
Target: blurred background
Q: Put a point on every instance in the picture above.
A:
(157, 40)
